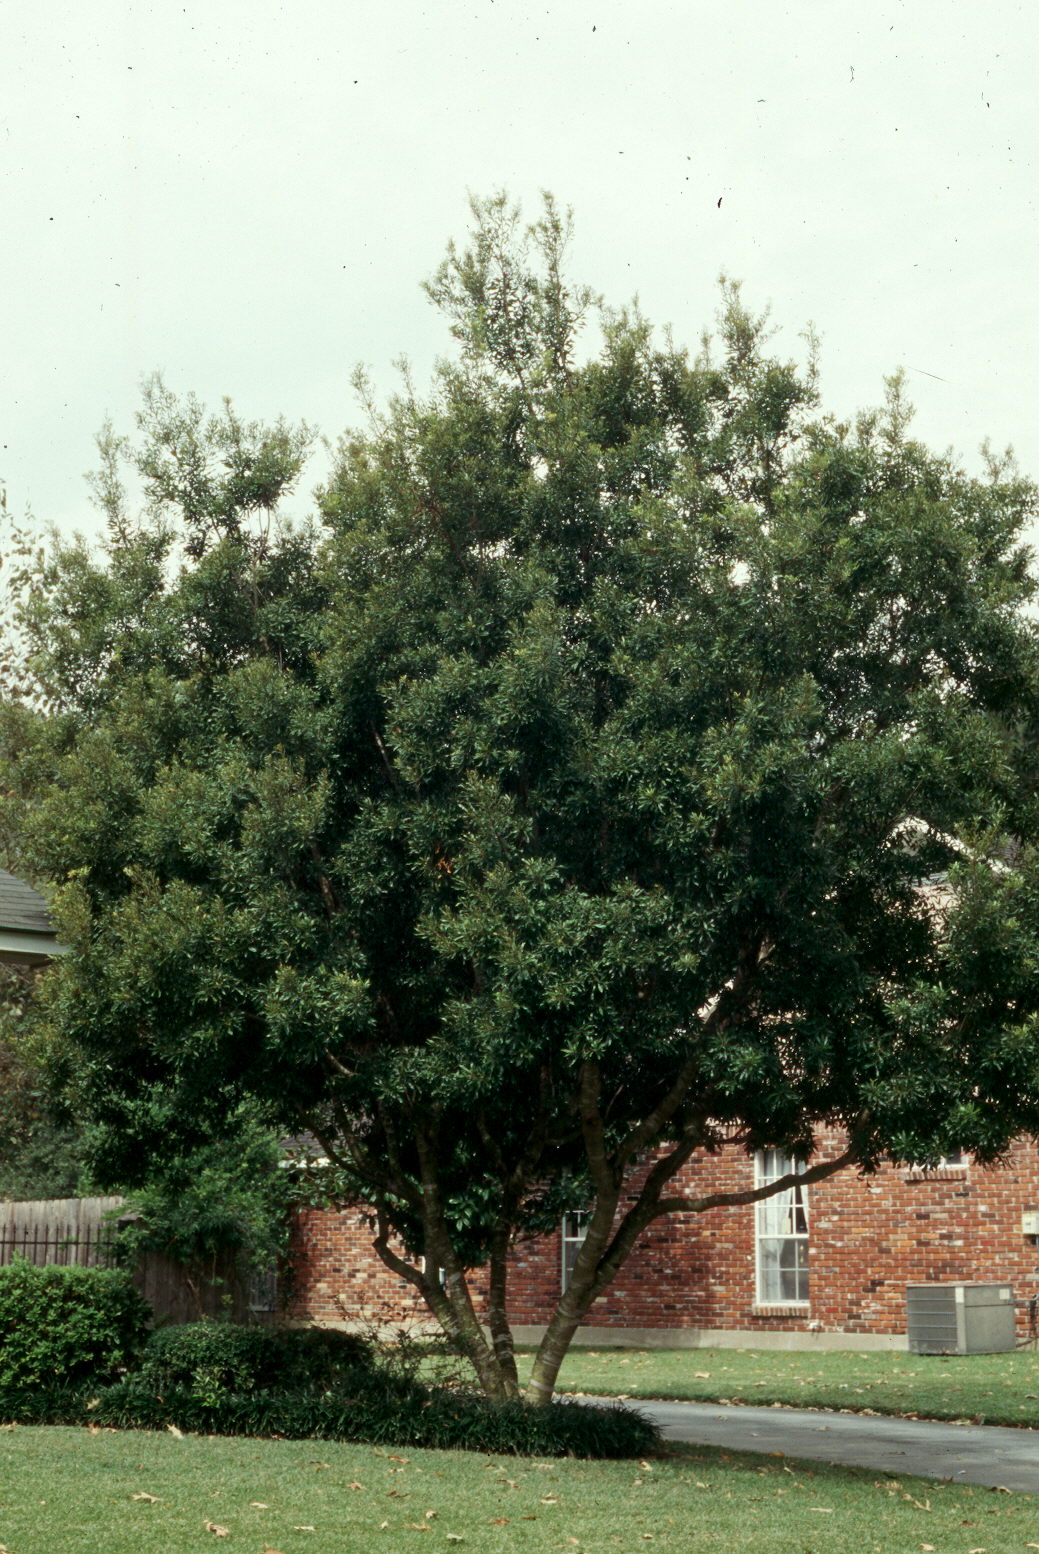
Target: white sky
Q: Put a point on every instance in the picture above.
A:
(246, 194)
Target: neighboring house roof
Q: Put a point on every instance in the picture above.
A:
(26, 935)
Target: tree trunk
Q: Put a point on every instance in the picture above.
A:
(497, 1316)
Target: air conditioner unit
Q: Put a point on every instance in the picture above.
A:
(960, 1318)
(1030, 1222)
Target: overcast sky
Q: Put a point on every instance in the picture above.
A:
(246, 195)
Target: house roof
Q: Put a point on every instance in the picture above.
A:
(26, 934)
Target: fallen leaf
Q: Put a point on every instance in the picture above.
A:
(142, 1494)
(928, 1548)
(217, 1530)
(702, 1375)
(390, 1457)
(304, 1527)
(384, 1524)
(317, 1466)
(418, 1526)
(175, 1432)
(827, 1508)
(503, 1521)
(549, 1499)
(430, 1515)
(1001, 1489)
(355, 1485)
(259, 1505)
(647, 1465)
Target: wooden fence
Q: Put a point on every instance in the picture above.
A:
(59, 1230)
(82, 1231)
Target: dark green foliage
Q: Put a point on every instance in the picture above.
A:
(215, 1359)
(47, 1159)
(370, 1406)
(223, 1203)
(63, 1324)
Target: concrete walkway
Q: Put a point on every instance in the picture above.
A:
(967, 1454)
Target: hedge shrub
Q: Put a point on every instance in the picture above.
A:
(217, 1359)
(67, 1324)
(373, 1408)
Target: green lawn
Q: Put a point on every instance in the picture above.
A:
(68, 1491)
(990, 1388)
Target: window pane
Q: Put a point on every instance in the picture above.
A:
(782, 1233)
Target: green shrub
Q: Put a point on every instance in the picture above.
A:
(67, 1324)
(373, 1407)
(214, 1360)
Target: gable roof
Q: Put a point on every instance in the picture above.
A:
(26, 934)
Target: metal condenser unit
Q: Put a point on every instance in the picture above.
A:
(960, 1318)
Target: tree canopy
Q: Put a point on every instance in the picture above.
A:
(626, 759)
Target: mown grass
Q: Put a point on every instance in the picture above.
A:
(67, 1491)
(987, 1388)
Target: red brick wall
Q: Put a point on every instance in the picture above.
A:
(869, 1237)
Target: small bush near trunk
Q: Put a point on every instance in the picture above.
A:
(214, 1360)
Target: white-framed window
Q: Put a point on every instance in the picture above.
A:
(441, 1273)
(781, 1233)
(574, 1229)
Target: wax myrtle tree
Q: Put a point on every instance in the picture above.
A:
(630, 760)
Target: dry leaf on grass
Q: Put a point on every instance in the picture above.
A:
(259, 1505)
(142, 1494)
(355, 1485)
(217, 1530)
(418, 1526)
(175, 1432)
(456, 1537)
(499, 1521)
(304, 1527)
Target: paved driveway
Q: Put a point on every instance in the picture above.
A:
(968, 1454)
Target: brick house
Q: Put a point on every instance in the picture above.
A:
(824, 1267)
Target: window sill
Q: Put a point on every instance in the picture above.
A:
(781, 1308)
(946, 1173)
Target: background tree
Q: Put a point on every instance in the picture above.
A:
(569, 802)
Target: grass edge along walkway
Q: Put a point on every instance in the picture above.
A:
(73, 1491)
(976, 1389)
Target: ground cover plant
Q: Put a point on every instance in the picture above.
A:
(988, 1388)
(68, 1491)
(219, 1379)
